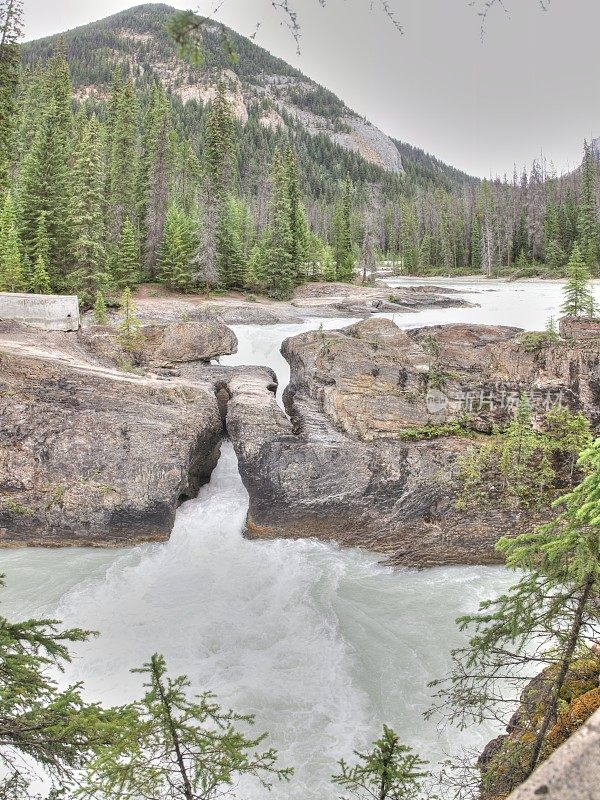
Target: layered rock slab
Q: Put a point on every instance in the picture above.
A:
(98, 459)
(339, 468)
(94, 455)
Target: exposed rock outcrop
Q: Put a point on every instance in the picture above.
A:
(311, 300)
(341, 468)
(97, 458)
(94, 455)
(164, 345)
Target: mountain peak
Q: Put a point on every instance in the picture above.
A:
(136, 40)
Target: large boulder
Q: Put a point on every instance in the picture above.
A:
(165, 345)
(94, 457)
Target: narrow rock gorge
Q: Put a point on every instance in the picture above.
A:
(350, 464)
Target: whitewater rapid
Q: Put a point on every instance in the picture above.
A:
(322, 644)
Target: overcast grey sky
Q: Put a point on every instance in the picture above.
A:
(530, 86)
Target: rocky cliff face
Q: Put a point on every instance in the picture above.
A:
(341, 468)
(94, 455)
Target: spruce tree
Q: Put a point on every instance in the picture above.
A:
(154, 176)
(177, 251)
(476, 256)
(553, 251)
(298, 222)
(328, 265)
(279, 267)
(232, 263)
(343, 243)
(409, 238)
(218, 144)
(123, 157)
(180, 747)
(125, 263)
(389, 771)
(577, 291)
(588, 228)
(100, 311)
(113, 105)
(218, 152)
(41, 244)
(130, 329)
(32, 100)
(545, 621)
(48, 732)
(12, 278)
(40, 281)
(11, 22)
(45, 188)
(256, 274)
(88, 216)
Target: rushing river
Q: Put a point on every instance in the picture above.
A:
(322, 644)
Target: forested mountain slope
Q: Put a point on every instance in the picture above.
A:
(269, 97)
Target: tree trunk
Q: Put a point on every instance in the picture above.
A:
(187, 786)
(565, 663)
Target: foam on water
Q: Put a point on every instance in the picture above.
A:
(322, 644)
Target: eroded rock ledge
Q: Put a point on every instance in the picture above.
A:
(339, 469)
(91, 454)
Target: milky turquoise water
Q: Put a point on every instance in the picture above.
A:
(322, 644)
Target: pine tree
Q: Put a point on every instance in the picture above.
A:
(180, 747)
(40, 281)
(546, 619)
(123, 157)
(256, 274)
(154, 176)
(523, 464)
(88, 216)
(11, 22)
(113, 105)
(553, 251)
(476, 244)
(177, 251)
(577, 291)
(125, 263)
(389, 771)
(32, 101)
(328, 265)
(409, 238)
(232, 263)
(12, 277)
(298, 222)
(45, 188)
(521, 242)
(47, 732)
(100, 311)
(588, 227)
(343, 242)
(130, 329)
(218, 143)
(522, 264)
(41, 244)
(278, 257)
(368, 262)
(218, 152)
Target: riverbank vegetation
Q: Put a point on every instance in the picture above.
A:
(127, 183)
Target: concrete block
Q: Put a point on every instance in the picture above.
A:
(49, 311)
(572, 772)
